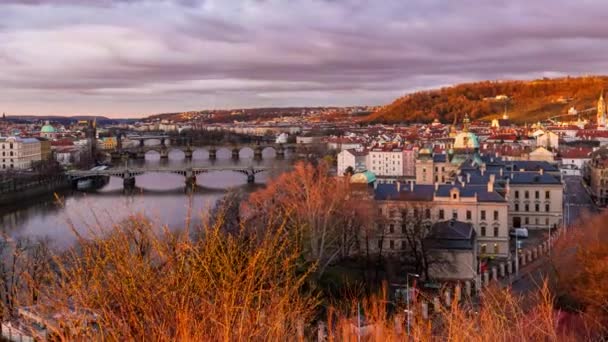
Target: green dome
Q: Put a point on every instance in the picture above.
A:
(366, 177)
(48, 129)
(466, 140)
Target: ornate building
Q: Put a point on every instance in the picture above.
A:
(601, 112)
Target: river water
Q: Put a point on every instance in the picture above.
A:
(160, 197)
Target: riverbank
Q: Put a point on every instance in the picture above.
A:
(25, 192)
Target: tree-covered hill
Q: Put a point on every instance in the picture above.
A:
(526, 101)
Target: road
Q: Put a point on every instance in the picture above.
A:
(577, 200)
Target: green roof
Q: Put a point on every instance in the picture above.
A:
(47, 129)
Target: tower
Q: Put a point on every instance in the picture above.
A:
(465, 123)
(601, 111)
(91, 135)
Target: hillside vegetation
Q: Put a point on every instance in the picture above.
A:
(528, 101)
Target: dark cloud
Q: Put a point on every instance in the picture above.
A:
(97, 56)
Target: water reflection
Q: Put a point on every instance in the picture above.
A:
(158, 196)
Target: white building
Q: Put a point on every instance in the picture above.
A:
(392, 161)
(546, 139)
(355, 159)
(19, 153)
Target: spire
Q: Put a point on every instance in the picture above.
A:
(465, 123)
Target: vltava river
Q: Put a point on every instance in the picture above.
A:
(160, 197)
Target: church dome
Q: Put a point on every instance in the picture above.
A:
(466, 140)
(48, 129)
(366, 177)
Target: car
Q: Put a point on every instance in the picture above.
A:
(519, 232)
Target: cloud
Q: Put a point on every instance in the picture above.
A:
(146, 56)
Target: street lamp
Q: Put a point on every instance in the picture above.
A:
(407, 291)
(516, 255)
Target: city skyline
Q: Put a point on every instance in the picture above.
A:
(136, 58)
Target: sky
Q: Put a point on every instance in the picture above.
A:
(132, 58)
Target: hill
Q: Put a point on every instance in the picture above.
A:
(528, 101)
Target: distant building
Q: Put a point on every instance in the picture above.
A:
(601, 112)
(392, 161)
(354, 159)
(19, 153)
(48, 131)
(598, 176)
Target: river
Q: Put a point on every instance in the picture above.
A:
(160, 197)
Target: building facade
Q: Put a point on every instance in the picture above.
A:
(19, 153)
(481, 206)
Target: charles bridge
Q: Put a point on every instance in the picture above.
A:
(186, 145)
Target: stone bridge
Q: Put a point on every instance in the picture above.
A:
(167, 144)
(128, 174)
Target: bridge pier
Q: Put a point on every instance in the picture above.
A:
(188, 153)
(250, 178)
(212, 153)
(128, 182)
(190, 182)
(141, 155)
(257, 153)
(164, 153)
(235, 153)
(280, 152)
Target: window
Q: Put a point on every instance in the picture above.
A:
(427, 214)
(547, 221)
(483, 231)
(455, 215)
(468, 214)
(380, 244)
(527, 220)
(547, 207)
(527, 194)
(391, 228)
(483, 248)
(483, 214)
(403, 244)
(495, 215)
(392, 244)
(547, 194)
(441, 214)
(537, 194)
(495, 231)
(403, 229)
(536, 221)
(536, 207)
(516, 193)
(454, 196)
(516, 206)
(527, 207)
(496, 249)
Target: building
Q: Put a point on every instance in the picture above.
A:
(48, 131)
(392, 161)
(482, 206)
(19, 153)
(598, 176)
(601, 112)
(45, 149)
(453, 245)
(352, 158)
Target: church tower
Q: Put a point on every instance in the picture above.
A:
(465, 123)
(601, 112)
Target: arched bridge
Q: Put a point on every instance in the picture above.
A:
(128, 174)
(139, 152)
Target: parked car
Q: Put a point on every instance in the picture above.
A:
(519, 232)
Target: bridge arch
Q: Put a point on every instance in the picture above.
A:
(246, 152)
(152, 154)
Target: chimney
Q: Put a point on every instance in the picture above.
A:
(398, 186)
(490, 186)
(412, 186)
(492, 178)
(459, 178)
(541, 171)
(483, 170)
(468, 178)
(436, 186)
(500, 172)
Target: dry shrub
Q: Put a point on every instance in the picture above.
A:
(141, 283)
(501, 316)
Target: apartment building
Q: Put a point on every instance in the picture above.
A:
(392, 161)
(19, 153)
(356, 159)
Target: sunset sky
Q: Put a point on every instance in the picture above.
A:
(134, 58)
